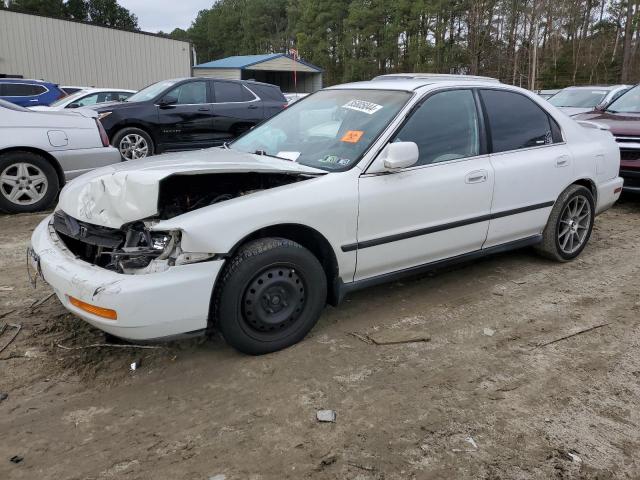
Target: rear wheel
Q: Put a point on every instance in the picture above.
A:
(28, 182)
(133, 143)
(269, 296)
(569, 226)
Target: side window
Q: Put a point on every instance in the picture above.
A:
(516, 122)
(445, 127)
(88, 100)
(188, 93)
(229, 92)
(22, 90)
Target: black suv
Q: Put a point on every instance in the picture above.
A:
(186, 114)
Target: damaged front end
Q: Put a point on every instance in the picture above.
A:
(135, 248)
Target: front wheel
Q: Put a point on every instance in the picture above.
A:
(133, 143)
(569, 226)
(269, 296)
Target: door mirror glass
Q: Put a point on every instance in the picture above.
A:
(400, 155)
(73, 105)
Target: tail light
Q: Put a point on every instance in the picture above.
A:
(103, 134)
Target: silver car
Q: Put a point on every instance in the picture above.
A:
(39, 151)
(576, 100)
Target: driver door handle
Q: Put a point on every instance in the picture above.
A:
(477, 176)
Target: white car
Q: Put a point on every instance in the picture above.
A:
(87, 98)
(39, 151)
(576, 100)
(294, 97)
(256, 237)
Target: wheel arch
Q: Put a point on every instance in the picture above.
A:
(309, 238)
(134, 124)
(44, 154)
(591, 185)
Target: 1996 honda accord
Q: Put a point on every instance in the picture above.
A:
(354, 185)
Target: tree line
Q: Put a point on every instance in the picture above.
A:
(101, 12)
(533, 43)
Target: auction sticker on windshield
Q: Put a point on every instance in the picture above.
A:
(362, 106)
(352, 136)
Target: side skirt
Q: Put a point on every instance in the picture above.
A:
(342, 289)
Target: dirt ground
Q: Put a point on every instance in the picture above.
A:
(483, 398)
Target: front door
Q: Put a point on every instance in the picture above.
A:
(438, 208)
(185, 117)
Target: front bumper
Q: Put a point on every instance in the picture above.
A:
(631, 180)
(150, 306)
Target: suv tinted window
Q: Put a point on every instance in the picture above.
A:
(515, 121)
(445, 127)
(268, 92)
(190, 93)
(21, 90)
(230, 92)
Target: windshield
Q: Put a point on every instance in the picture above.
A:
(69, 98)
(329, 130)
(578, 97)
(627, 103)
(151, 92)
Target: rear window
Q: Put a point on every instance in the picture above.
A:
(231, 92)
(268, 92)
(21, 90)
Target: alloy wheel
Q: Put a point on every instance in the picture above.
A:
(575, 221)
(23, 183)
(133, 146)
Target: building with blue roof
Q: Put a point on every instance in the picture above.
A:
(292, 76)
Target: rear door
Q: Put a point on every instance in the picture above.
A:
(185, 116)
(532, 165)
(236, 109)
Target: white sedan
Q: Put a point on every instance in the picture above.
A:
(86, 98)
(39, 151)
(254, 238)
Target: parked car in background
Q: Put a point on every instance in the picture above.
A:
(255, 237)
(622, 118)
(39, 151)
(70, 90)
(87, 98)
(294, 97)
(187, 113)
(576, 100)
(547, 94)
(28, 93)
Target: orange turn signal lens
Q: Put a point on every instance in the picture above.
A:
(98, 311)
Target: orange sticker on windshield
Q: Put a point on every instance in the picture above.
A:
(352, 136)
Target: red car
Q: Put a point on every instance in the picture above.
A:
(622, 116)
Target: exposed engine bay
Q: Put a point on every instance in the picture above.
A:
(134, 248)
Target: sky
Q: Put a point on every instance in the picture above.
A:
(165, 15)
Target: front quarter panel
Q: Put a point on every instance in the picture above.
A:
(327, 204)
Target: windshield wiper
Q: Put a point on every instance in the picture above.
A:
(265, 154)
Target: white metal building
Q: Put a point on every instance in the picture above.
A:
(275, 68)
(76, 53)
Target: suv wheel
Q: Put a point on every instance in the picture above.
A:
(569, 226)
(28, 182)
(269, 296)
(133, 143)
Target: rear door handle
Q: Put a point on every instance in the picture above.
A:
(252, 107)
(203, 109)
(562, 161)
(477, 176)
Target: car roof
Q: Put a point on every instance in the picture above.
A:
(106, 89)
(219, 79)
(599, 87)
(23, 80)
(411, 84)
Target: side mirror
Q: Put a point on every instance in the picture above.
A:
(400, 155)
(601, 107)
(167, 102)
(73, 105)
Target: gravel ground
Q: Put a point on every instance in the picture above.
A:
(495, 393)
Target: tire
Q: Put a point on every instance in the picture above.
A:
(28, 182)
(270, 294)
(563, 237)
(133, 143)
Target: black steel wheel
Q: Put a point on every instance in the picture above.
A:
(269, 296)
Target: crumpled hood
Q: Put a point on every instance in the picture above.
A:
(125, 192)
